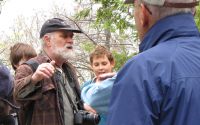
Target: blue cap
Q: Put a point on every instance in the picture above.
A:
(6, 82)
(6, 86)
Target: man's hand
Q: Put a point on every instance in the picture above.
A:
(44, 70)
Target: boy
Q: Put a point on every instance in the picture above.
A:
(96, 92)
(20, 53)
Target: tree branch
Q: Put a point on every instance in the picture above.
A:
(81, 29)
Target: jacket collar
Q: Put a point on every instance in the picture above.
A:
(167, 28)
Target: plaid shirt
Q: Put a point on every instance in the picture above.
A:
(47, 107)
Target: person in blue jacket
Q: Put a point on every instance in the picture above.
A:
(160, 85)
(96, 92)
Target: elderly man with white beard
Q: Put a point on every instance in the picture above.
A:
(42, 93)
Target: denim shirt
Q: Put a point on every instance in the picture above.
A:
(98, 96)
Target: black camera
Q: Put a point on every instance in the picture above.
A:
(85, 118)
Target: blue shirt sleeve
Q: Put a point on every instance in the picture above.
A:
(98, 95)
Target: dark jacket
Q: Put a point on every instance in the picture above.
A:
(6, 88)
(161, 85)
(47, 107)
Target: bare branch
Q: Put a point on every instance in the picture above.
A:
(81, 29)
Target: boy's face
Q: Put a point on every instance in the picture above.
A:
(102, 65)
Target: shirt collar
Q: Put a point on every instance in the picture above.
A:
(167, 28)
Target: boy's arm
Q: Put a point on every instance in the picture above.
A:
(98, 95)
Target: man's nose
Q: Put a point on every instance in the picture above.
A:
(69, 40)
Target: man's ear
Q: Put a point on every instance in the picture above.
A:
(46, 39)
(144, 20)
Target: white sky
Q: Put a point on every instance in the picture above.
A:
(13, 8)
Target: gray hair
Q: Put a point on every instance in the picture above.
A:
(159, 12)
(50, 35)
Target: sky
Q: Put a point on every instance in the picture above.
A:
(14, 8)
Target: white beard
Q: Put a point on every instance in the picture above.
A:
(69, 55)
(64, 54)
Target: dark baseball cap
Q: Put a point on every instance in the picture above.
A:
(164, 3)
(56, 24)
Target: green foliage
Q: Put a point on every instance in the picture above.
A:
(197, 16)
(112, 15)
(121, 58)
(87, 46)
(82, 14)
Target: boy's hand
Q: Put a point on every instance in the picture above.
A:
(105, 76)
(89, 108)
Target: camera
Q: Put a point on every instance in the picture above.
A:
(85, 118)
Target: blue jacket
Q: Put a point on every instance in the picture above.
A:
(161, 85)
(6, 82)
(98, 96)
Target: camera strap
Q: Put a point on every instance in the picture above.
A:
(68, 95)
(76, 89)
(72, 85)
